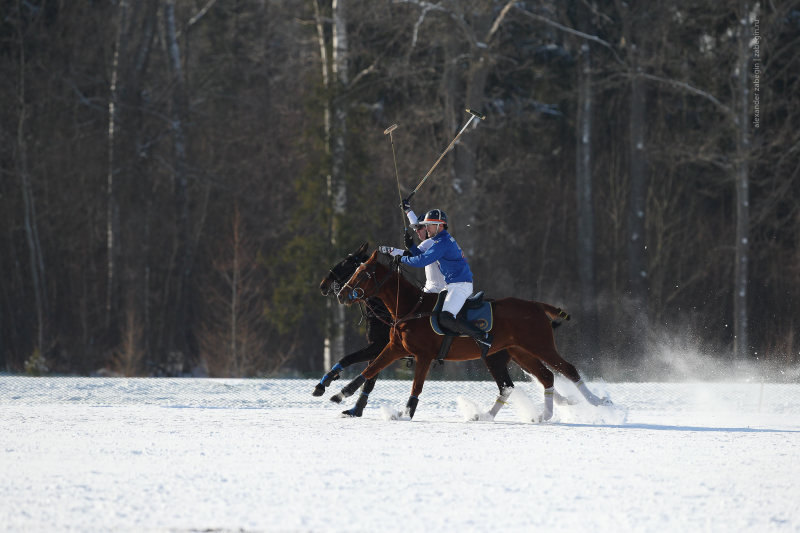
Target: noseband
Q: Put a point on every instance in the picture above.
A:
(357, 293)
(336, 284)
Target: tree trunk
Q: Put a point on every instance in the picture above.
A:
(30, 219)
(335, 80)
(112, 214)
(183, 250)
(741, 343)
(585, 208)
(128, 188)
(484, 25)
(637, 206)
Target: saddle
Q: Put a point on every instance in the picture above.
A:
(474, 310)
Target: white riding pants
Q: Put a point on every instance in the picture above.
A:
(457, 294)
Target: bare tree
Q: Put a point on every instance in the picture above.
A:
(584, 182)
(37, 264)
(233, 339)
(741, 344)
(634, 31)
(335, 78)
(178, 120)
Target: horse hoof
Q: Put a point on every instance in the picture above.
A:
(319, 390)
(337, 398)
(351, 413)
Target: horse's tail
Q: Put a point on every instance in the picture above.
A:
(555, 314)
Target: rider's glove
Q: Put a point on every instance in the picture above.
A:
(390, 250)
(409, 241)
(406, 205)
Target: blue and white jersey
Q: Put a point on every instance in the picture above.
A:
(434, 279)
(444, 249)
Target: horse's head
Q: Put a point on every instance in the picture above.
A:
(364, 282)
(341, 272)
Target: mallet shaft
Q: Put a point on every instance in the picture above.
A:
(473, 116)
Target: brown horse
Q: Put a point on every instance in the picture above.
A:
(378, 335)
(522, 327)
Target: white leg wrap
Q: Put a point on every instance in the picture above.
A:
(500, 401)
(548, 403)
(589, 395)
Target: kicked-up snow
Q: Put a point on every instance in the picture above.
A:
(96, 454)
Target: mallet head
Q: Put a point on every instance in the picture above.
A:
(390, 129)
(476, 114)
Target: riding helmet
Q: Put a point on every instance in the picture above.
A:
(435, 216)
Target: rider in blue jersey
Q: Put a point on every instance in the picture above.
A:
(457, 275)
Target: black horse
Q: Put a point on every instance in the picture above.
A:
(378, 336)
(378, 329)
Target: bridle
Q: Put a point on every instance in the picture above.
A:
(336, 284)
(358, 294)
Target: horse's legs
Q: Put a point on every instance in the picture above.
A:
(420, 373)
(497, 364)
(361, 402)
(531, 364)
(554, 359)
(367, 353)
(391, 353)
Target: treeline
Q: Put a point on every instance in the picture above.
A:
(177, 176)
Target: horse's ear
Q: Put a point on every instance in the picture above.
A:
(363, 249)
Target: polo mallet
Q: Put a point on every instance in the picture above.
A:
(474, 115)
(388, 131)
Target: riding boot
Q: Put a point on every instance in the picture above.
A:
(463, 327)
(444, 348)
(327, 379)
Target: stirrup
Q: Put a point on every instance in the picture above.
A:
(484, 344)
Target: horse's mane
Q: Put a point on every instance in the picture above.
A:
(406, 284)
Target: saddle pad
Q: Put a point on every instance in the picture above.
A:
(481, 317)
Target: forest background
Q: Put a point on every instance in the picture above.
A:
(176, 176)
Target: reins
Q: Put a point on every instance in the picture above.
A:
(363, 297)
(360, 296)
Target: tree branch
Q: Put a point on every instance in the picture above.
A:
(499, 20)
(675, 83)
(201, 13)
(567, 29)
(689, 88)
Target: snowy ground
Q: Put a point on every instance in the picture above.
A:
(100, 454)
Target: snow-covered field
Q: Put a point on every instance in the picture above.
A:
(95, 454)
